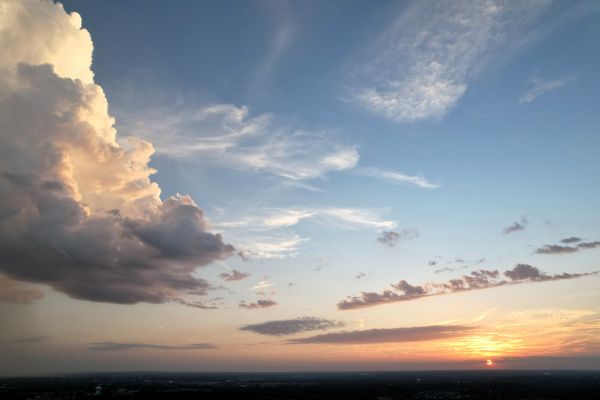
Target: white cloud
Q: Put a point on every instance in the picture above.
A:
(421, 63)
(227, 136)
(268, 233)
(398, 177)
(540, 87)
(78, 208)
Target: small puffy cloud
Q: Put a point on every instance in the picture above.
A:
(78, 209)
(540, 87)
(234, 275)
(360, 275)
(390, 335)
(516, 226)
(292, 326)
(432, 263)
(480, 279)
(117, 346)
(392, 238)
(15, 292)
(260, 303)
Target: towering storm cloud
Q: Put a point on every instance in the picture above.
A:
(78, 210)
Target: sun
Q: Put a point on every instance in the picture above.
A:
(489, 363)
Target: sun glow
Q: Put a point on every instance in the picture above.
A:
(489, 363)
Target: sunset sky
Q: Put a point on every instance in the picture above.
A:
(299, 185)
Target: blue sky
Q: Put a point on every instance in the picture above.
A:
(343, 146)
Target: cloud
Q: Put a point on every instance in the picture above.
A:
(431, 263)
(78, 210)
(360, 275)
(572, 239)
(540, 87)
(116, 346)
(291, 326)
(392, 238)
(420, 65)
(397, 177)
(560, 249)
(391, 335)
(234, 275)
(516, 226)
(480, 279)
(228, 136)
(448, 269)
(266, 233)
(32, 339)
(259, 304)
(15, 292)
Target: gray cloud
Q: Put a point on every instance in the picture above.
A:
(516, 226)
(360, 275)
(393, 335)
(292, 326)
(432, 263)
(480, 279)
(448, 269)
(259, 304)
(560, 249)
(15, 292)
(78, 208)
(392, 238)
(32, 339)
(234, 275)
(116, 346)
(572, 239)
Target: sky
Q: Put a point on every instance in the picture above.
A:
(280, 185)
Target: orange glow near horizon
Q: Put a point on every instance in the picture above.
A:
(489, 363)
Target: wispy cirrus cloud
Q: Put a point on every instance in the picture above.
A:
(120, 346)
(397, 177)
(476, 280)
(228, 136)
(389, 335)
(540, 87)
(292, 326)
(421, 64)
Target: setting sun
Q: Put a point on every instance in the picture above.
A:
(489, 363)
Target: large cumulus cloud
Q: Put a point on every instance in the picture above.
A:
(78, 210)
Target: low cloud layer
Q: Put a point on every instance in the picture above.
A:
(292, 326)
(78, 210)
(234, 275)
(117, 346)
(564, 249)
(260, 303)
(15, 292)
(393, 335)
(481, 279)
(392, 238)
(516, 226)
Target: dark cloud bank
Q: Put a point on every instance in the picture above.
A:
(258, 304)
(481, 279)
(567, 247)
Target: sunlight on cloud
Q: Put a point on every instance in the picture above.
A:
(79, 210)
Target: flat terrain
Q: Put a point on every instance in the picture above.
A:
(349, 385)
